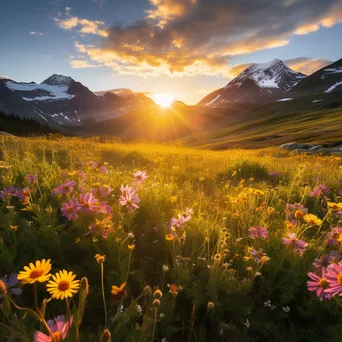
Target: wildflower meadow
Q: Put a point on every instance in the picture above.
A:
(110, 241)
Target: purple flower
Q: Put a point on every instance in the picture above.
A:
(319, 284)
(335, 236)
(104, 170)
(273, 174)
(259, 256)
(320, 191)
(129, 198)
(88, 202)
(322, 261)
(71, 209)
(258, 232)
(65, 188)
(32, 179)
(10, 282)
(298, 246)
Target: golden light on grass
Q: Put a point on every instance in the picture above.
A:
(163, 100)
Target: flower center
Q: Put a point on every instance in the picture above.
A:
(63, 285)
(339, 278)
(36, 274)
(57, 336)
(339, 238)
(323, 283)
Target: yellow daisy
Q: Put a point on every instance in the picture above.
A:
(312, 219)
(63, 285)
(36, 272)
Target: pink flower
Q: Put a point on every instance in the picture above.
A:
(30, 178)
(65, 188)
(88, 202)
(105, 191)
(71, 209)
(258, 232)
(59, 329)
(334, 276)
(334, 235)
(129, 198)
(139, 176)
(298, 245)
(319, 284)
(181, 219)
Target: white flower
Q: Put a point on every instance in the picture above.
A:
(162, 315)
(257, 274)
(247, 323)
(166, 268)
(267, 304)
(238, 239)
(164, 339)
(286, 308)
(131, 235)
(139, 309)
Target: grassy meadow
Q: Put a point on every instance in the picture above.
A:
(199, 246)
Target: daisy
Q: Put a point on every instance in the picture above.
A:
(38, 272)
(59, 329)
(298, 245)
(65, 188)
(63, 285)
(334, 276)
(139, 177)
(322, 261)
(319, 284)
(32, 179)
(88, 202)
(312, 219)
(71, 209)
(130, 199)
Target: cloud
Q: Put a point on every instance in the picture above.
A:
(307, 65)
(85, 26)
(192, 37)
(34, 33)
(80, 64)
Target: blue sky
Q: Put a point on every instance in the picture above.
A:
(175, 36)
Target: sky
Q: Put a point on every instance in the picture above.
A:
(187, 48)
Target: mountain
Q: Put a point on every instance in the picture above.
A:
(60, 100)
(259, 83)
(118, 91)
(327, 80)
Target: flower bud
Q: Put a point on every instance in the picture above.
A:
(106, 337)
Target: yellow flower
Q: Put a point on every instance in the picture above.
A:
(234, 173)
(169, 237)
(15, 228)
(131, 247)
(38, 272)
(339, 239)
(335, 206)
(173, 199)
(201, 179)
(63, 285)
(312, 219)
(100, 258)
(298, 214)
(118, 292)
(210, 305)
(78, 240)
(173, 289)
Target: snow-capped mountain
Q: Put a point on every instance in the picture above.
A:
(60, 100)
(327, 80)
(259, 83)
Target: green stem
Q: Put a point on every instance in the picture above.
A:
(154, 324)
(103, 295)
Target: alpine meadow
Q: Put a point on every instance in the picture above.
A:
(171, 171)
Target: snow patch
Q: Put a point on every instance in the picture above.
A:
(55, 92)
(314, 101)
(285, 99)
(333, 87)
(211, 102)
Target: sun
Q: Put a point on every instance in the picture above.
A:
(163, 100)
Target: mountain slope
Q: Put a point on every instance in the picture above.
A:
(60, 100)
(259, 83)
(327, 80)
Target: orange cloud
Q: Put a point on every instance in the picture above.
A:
(307, 66)
(80, 64)
(85, 26)
(189, 37)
